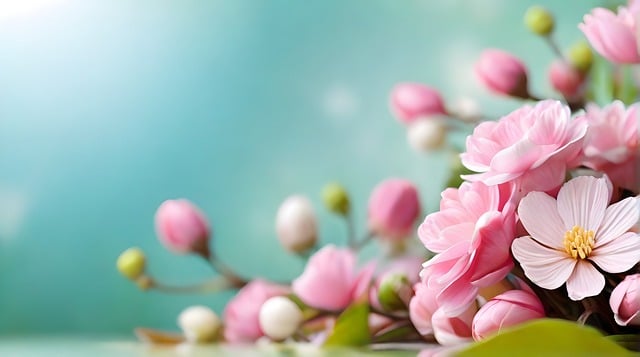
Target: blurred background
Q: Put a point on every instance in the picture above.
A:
(109, 107)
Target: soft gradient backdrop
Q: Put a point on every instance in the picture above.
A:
(109, 107)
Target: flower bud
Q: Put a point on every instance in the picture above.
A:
(427, 134)
(410, 101)
(502, 73)
(296, 224)
(131, 263)
(182, 227)
(395, 292)
(336, 199)
(506, 310)
(394, 206)
(539, 20)
(199, 324)
(580, 56)
(279, 318)
(625, 301)
(565, 79)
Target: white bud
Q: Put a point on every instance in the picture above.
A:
(199, 324)
(427, 134)
(467, 108)
(279, 318)
(296, 224)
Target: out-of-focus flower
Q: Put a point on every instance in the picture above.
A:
(427, 134)
(502, 73)
(394, 292)
(571, 234)
(530, 148)
(131, 263)
(421, 308)
(330, 280)
(506, 310)
(565, 78)
(625, 301)
(199, 324)
(280, 318)
(454, 330)
(410, 101)
(580, 56)
(612, 142)
(182, 227)
(296, 224)
(241, 315)
(394, 207)
(612, 35)
(472, 233)
(539, 20)
(336, 198)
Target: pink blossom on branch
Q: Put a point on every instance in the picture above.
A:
(508, 309)
(502, 73)
(625, 301)
(394, 207)
(613, 35)
(182, 227)
(410, 101)
(572, 235)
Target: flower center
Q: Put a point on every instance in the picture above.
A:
(578, 243)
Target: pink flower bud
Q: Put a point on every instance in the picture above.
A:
(454, 330)
(182, 227)
(412, 100)
(502, 73)
(422, 307)
(565, 79)
(625, 301)
(296, 224)
(330, 280)
(613, 35)
(505, 310)
(394, 206)
(241, 315)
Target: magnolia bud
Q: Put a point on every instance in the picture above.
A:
(502, 73)
(505, 310)
(580, 56)
(565, 78)
(625, 301)
(280, 318)
(539, 20)
(182, 228)
(427, 134)
(336, 199)
(131, 263)
(410, 101)
(296, 224)
(199, 324)
(395, 292)
(394, 207)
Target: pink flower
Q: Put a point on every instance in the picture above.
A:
(506, 310)
(410, 101)
(625, 301)
(241, 315)
(421, 308)
(182, 228)
(502, 73)
(612, 143)
(394, 206)
(531, 148)
(472, 233)
(571, 234)
(613, 35)
(565, 79)
(330, 280)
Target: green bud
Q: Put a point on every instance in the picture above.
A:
(394, 292)
(131, 263)
(580, 56)
(539, 20)
(336, 198)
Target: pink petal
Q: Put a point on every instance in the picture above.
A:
(618, 218)
(585, 281)
(362, 281)
(539, 214)
(619, 255)
(548, 268)
(583, 201)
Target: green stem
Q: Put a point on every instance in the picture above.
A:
(215, 285)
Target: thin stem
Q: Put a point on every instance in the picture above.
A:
(364, 241)
(234, 279)
(351, 232)
(554, 47)
(215, 285)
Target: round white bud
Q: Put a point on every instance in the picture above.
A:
(427, 134)
(199, 324)
(296, 224)
(279, 318)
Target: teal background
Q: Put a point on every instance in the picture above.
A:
(109, 107)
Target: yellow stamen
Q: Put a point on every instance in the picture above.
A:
(578, 243)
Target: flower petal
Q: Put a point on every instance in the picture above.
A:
(618, 255)
(539, 214)
(547, 268)
(585, 281)
(583, 201)
(618, 218)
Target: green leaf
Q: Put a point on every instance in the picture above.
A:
(546, 337)
(352, 327)
(601, 84)
(630, 342)
(626, 91)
